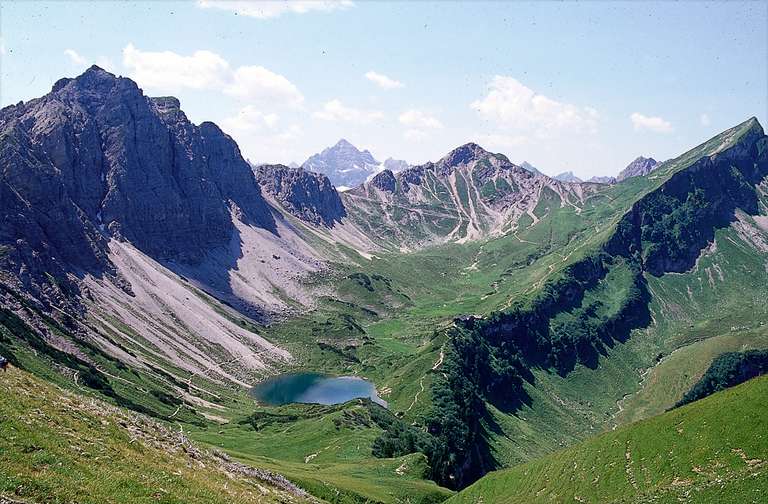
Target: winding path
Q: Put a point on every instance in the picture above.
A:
(436, 365)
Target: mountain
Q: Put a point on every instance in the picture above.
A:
(306, 195)
(709, 451)
(96, 158)
(567, 177)
(395, 165)
(118, 207)
(528, 166)
(590, 305)
(603, 180)
(468, 194)
(344, 164)
(637, 168)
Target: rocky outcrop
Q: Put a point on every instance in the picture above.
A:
(385, 181)
(306, 195)
(637, 168)
(344, 164)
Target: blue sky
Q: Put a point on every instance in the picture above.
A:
(583, 86)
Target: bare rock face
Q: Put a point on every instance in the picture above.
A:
(306, 195)
(385, 181)
(96, 159)
(637, 168)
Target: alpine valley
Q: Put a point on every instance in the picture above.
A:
(529, 338)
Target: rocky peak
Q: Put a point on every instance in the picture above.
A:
(385, 181)
(567, 176)
(529, 167)
(395, 165)
(463, 155)
(306, 195)
(96, 159)
(639, 167)
(344, 164)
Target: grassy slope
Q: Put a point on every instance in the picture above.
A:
(327, 450)
(713, 450)
(56, 446)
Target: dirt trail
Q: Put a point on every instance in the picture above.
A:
(436, 365)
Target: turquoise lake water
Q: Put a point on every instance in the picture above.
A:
(314, 388)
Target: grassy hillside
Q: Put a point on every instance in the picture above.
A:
(57, 447)
(713, 450)
(328, 451)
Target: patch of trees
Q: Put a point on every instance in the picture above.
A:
(669, 227)
(398, 438)
(727, 370)
(490, 360)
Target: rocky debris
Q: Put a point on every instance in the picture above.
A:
(637, 168)
(344, 164)
(306, 195)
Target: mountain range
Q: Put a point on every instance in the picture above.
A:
(506, 318)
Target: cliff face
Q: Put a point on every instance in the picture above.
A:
(308, 196)
(96, 159)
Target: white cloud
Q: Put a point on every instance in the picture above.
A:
(514, 106)
(705, 120)
(259, 137)
(650, 123)
(383, 81)
(75, 58)
(169, 71)
(334, 110)
(267, 9)
(418, 119)
(258, 83)
(250, 119)
(502, 142)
